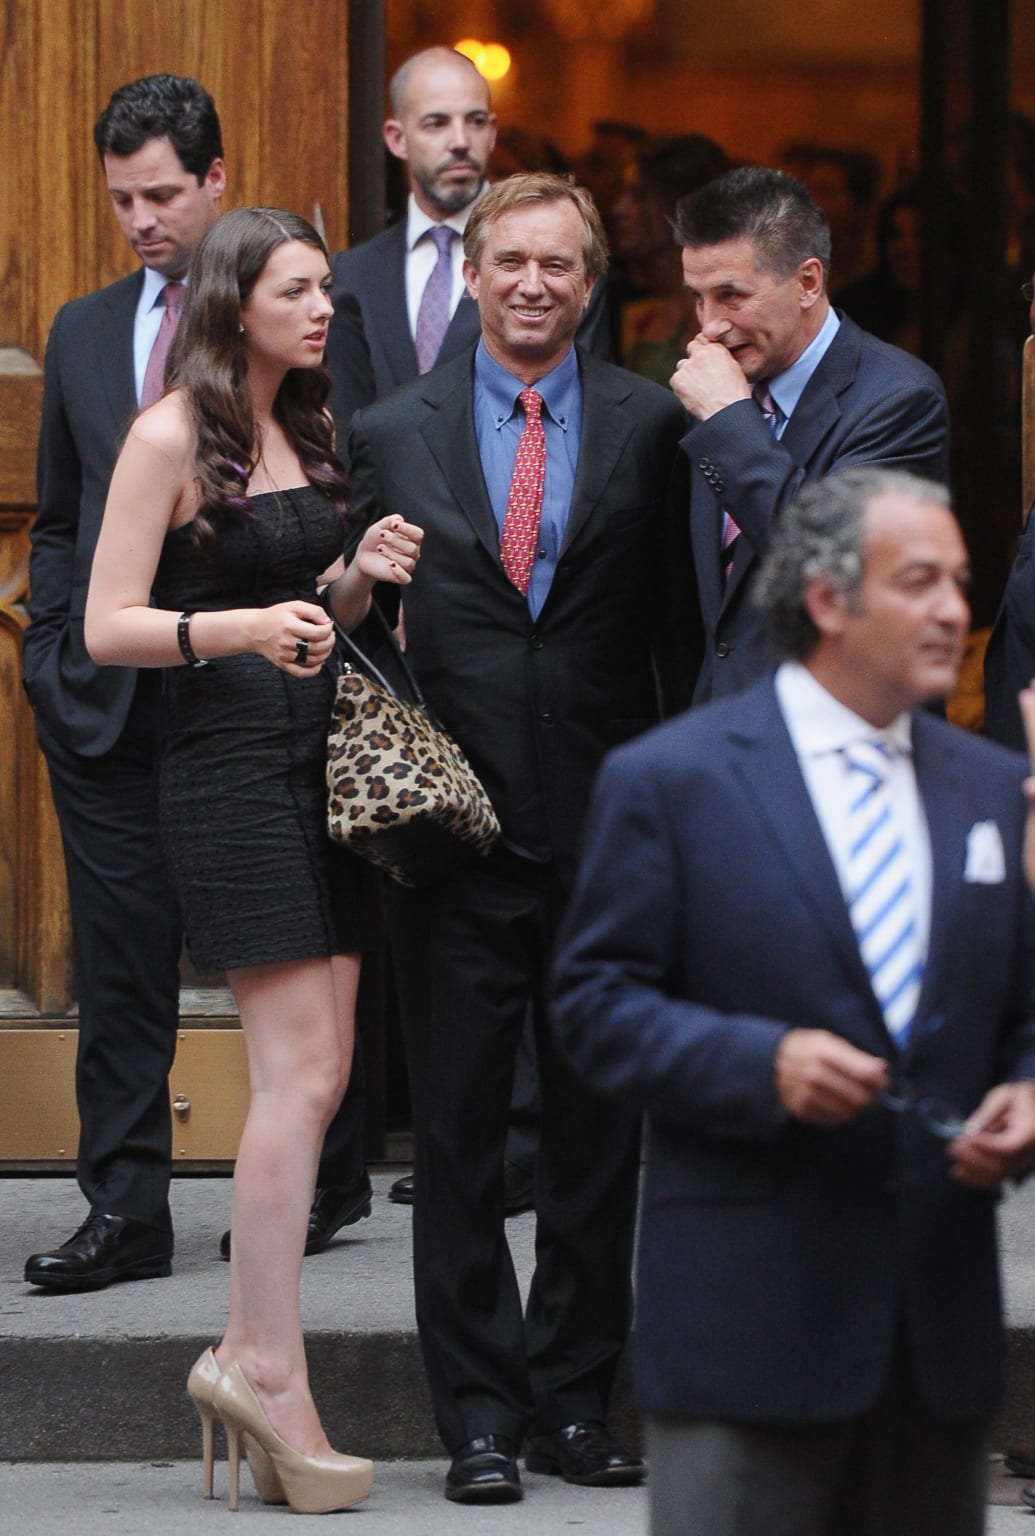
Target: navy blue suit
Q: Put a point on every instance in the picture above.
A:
(866, 403)
(778, 1260)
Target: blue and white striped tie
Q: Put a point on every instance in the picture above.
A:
(880, 894)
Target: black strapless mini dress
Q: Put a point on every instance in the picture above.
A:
(242, 795)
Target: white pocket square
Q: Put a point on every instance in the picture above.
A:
(986, 862)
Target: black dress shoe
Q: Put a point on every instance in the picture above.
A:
(518, 1189)
(401, 1192)
(1019, 1458)
(105, 1248)
(335, 1206)
(1028, 1495)
(586, 1454)
(484, 1471)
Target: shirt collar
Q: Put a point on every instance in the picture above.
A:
(418, 223)
(558, 387)
(820, 724)
(788, 387)
(153, 284)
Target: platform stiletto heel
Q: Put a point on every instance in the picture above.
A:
(201, 1382)
(313, 1485)
(201, 1385)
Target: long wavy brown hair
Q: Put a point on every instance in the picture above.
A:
(208, 362)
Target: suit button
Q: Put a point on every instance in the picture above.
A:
(536, 643)
(722, 649)
(547, 717)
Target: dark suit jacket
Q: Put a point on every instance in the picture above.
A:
(89, 399)
(1010, 656)
(776, 1258)
(535, 705)
(375, 273)
(866, 403)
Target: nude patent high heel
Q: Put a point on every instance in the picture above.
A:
(313, 1485)
(201, 1385)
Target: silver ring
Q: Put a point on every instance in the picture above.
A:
(301, 652)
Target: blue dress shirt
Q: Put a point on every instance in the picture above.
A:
(498, 423)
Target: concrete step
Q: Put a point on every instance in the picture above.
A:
(100, 1376)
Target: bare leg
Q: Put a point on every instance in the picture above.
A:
(298, 1027)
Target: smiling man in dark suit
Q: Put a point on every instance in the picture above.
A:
(801, 940)
(442, 128)
(783, 390)
(543, 481)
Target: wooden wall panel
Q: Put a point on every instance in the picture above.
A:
(279, 76)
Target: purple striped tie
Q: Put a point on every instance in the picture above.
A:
(433, 315)
(730, 532)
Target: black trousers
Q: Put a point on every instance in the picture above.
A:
(126, 941)
(471, 958)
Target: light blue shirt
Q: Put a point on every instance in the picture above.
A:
(788, 387)
(498, 423)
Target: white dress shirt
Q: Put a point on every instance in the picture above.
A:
(421, 256)
(820, 728)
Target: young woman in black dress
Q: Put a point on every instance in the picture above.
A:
(219, 558)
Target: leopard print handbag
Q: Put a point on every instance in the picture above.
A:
(400, 792)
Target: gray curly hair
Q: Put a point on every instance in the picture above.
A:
(820, 534)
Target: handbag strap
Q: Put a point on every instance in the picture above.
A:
(367, 666)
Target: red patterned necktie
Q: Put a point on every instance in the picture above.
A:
(520, 533)
(171, 297)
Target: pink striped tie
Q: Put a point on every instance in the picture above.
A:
(730, 532)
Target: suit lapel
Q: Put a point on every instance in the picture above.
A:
(941, 794)
(113, 350)
(386, 299)
(449, 434)
(606, 428)
(771, 778)
(819, 407)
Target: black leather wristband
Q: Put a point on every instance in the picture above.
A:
(183, 640)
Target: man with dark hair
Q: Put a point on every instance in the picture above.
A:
(542, 478)
(98, 726)
(801, 941)
(161, 152)
(783, 390)
(162, 107)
